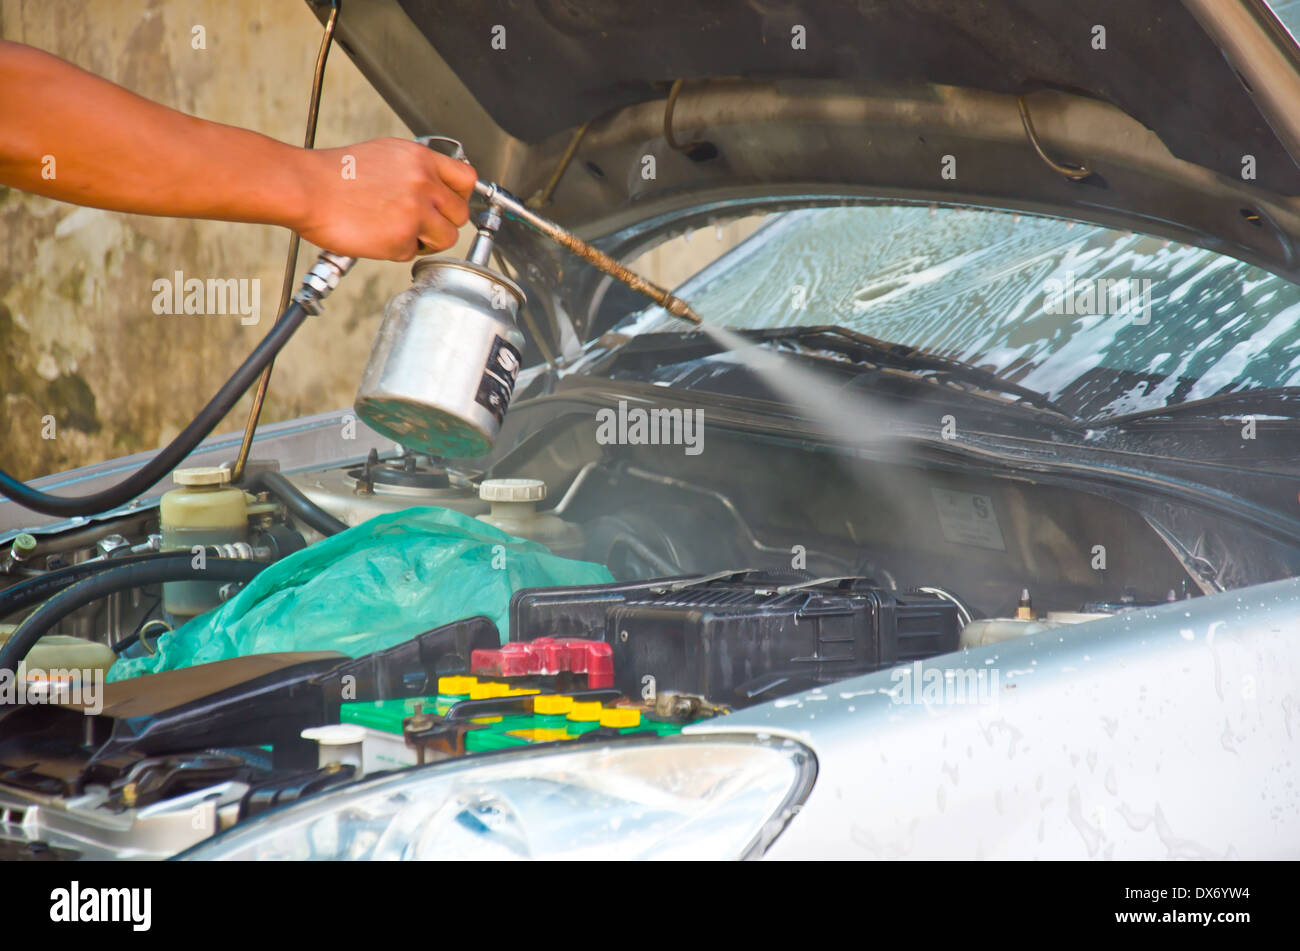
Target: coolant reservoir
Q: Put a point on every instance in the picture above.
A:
(514, 510)
(995, 630)
(59, 652)
(203, 509)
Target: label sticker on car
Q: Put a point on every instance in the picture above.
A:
(968, 519)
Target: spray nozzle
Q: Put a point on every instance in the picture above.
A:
(488, 223)
(505, 203)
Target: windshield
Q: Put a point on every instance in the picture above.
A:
(1103, 322)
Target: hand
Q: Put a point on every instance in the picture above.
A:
(387, 198)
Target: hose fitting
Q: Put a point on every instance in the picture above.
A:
(241, 551)
(321, 280)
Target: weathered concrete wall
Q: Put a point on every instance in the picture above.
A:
(89, 371)
(79, 340)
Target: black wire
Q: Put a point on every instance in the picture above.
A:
(180, 447)
(298, 505)
(110, 581)
(134, 636)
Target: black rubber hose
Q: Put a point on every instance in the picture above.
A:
(110, 581)
(299, 506)
(37, 589)
(180, 447)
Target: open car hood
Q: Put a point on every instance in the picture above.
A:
(885, 97)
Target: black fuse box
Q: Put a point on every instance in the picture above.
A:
(745, 637)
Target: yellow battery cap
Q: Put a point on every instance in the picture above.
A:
(521, 692)
(541, 734)
(586, 712)
(552, 706)
(488, 690)
(620, 717)
(456, 686)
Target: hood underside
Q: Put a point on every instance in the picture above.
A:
(862, 98)
(566, 62)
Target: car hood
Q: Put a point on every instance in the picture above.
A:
(800, 99)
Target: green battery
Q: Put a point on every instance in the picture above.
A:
(527, 730)
(387, 715)
(555, 718)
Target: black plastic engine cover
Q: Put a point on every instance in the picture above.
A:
(241, 702)
(744, 637)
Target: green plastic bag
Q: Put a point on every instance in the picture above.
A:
(368, 588)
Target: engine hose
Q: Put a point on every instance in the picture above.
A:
(299, 506)
(37, 589)
(180, 447)
(110, 581)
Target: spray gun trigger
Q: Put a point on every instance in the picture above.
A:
(455, 149)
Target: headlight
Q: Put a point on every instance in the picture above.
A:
(689, 797)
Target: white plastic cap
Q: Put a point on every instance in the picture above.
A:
(202, 475)
(335, 734)
(512, 490)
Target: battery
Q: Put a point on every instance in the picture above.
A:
(527, 716)
(526, 730)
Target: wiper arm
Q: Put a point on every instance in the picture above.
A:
(1284, 400)
(856, 346)
(905, 357)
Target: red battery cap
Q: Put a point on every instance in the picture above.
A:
(546, 656)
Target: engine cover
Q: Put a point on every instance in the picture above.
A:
(744, 637)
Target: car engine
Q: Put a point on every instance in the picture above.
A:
(734, 584)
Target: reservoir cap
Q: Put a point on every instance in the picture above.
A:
(202, 475)
(335, 734)
(512, 490)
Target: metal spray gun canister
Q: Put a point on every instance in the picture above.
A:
(444, 362)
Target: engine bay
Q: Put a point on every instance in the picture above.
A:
(786, 569)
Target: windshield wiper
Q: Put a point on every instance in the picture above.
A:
(858, 348)
(904, 357)
(1266, 400)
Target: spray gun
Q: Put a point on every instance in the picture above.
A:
(441, 371)
(444, 363)
(500, 202)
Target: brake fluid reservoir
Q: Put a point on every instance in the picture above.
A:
(444, 362)
(514, 510)
(204, 509)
